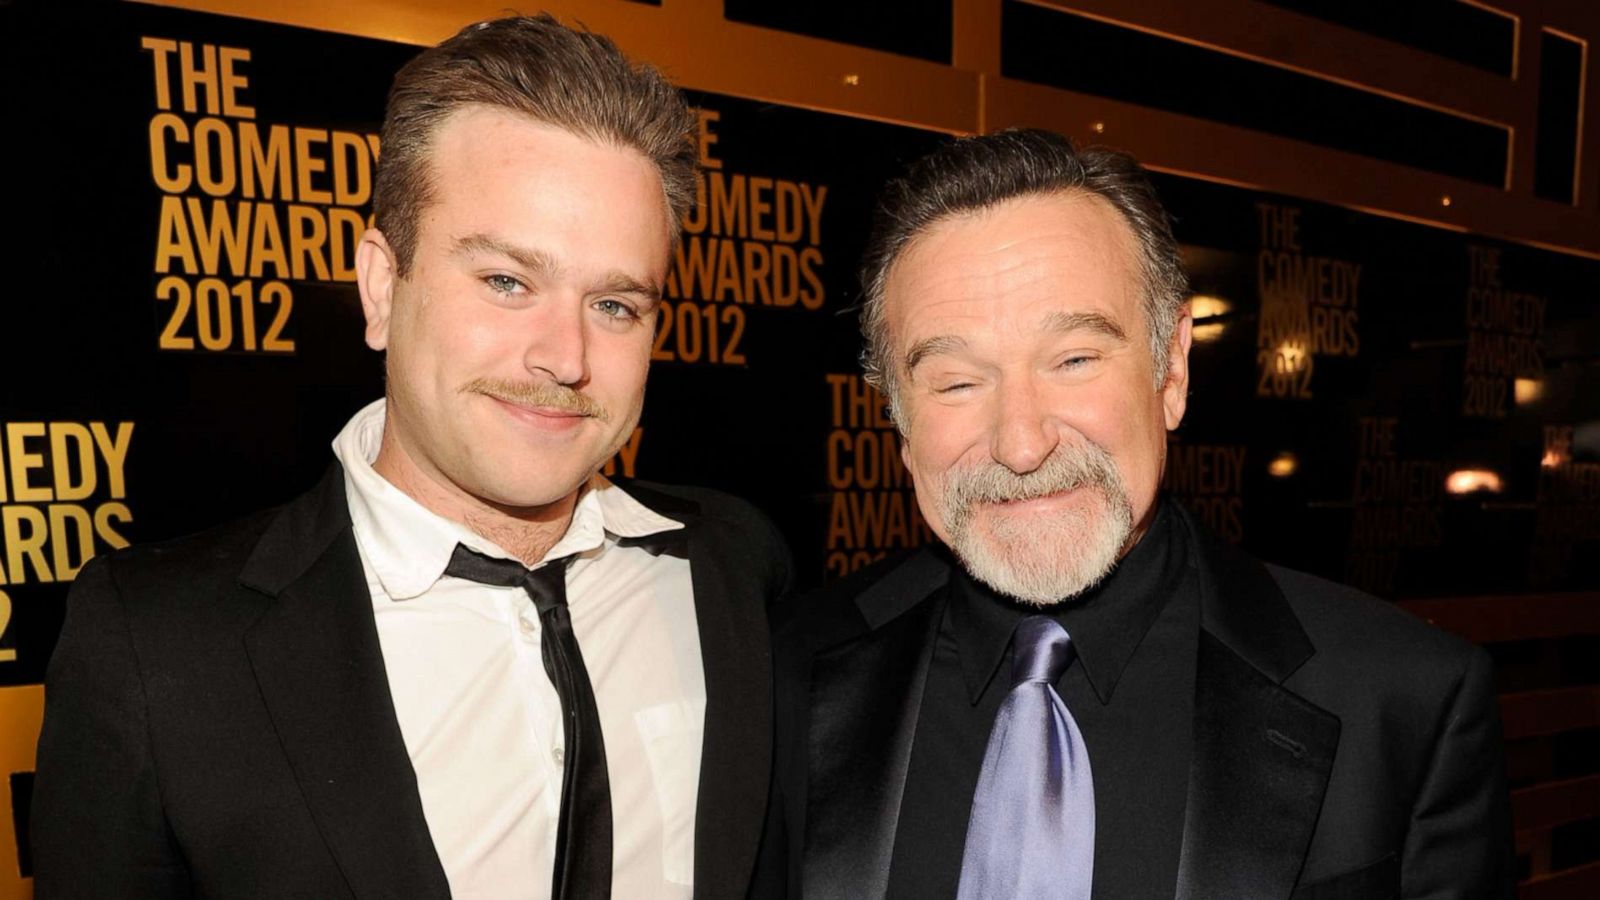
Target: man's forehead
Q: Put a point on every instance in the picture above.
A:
(466, 121)
(479, 136)
(495, 172)
(1067, 214)
(1041, 257)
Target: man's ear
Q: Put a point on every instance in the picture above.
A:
(1175, 390)
(376, 275)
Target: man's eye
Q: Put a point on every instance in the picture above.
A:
(1073, 362)
(616, 309)
(953, 388)
(503, 284)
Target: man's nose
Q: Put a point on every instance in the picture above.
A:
(1026, 431)
(560, 341)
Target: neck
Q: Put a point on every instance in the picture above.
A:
(1140, 528)
(526, 532)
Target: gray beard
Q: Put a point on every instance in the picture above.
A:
(1041, 560)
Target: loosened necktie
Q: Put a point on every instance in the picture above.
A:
(583, 835)
(1031, 832)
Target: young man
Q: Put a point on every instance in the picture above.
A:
(1082, 693)
(465, 664)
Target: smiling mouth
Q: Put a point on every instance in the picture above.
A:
(554, 412)
(1042, 500)
(539, 400)
(544, 417)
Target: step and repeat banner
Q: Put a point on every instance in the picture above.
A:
(1411, 410)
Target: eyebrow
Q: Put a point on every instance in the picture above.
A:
(1097, 323)
(536, 261)
(623, 283)
(543, 265)
(938, 345)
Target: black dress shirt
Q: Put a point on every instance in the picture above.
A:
(1130, 688)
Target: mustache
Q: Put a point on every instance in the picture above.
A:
(538, 393)
(1067, 468)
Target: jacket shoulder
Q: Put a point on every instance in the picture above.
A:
(738, 524)
(184, 564)
(1351, 640)
(1375, 663)
(164, 594)
(860, 601)
(1347, 622)
(707, 503)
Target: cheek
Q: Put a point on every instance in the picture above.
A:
(456, 341)
(407, 357)
(939, 441)
(941, 436)
(415, 326)
(1125, 422)
(1099, 417)
(619, 364)
(1112, 411)
(926, 483)
(1135, 436)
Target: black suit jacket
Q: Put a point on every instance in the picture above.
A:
(218, 720)
(1342, 748)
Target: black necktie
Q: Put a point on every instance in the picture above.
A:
(583, 837)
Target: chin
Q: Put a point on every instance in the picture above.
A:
(1045, 560)
(531, 494)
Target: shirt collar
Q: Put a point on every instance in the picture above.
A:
(408, 546)
(1106, 623)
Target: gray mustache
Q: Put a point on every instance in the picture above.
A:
(1065, 469)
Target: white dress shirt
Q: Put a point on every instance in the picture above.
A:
(481, 720)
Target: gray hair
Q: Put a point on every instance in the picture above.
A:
(977, 173)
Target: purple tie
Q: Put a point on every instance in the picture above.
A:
(1031, 833)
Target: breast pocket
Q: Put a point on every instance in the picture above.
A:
(1378, 881)
(672, 735)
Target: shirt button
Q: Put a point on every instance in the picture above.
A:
(558, 755)
(526, 627)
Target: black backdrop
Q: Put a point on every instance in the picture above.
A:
(1377, 356)
(168, 365)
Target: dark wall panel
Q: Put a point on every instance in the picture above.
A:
(1081, 54)
(919, 28)
(1448, 28)
(153, 384)
(1561, 63)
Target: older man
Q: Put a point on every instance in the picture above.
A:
(1082, 693)
(465, 664)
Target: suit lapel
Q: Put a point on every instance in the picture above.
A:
(737, 749)
(866, 695)
(319, 666)
(730, 613)
(1262, 754)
